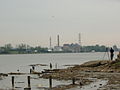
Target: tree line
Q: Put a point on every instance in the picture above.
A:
(27, 49)
(22, 49)
(98, 48)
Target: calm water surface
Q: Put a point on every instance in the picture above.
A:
(11, 63)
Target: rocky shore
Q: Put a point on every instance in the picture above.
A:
(86, 73)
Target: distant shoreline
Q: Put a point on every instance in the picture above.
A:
(48, 53)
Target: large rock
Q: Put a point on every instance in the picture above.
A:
(118, 57)
(95, 63)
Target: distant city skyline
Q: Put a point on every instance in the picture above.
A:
(34, 22)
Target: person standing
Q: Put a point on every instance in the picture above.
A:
(111, 53)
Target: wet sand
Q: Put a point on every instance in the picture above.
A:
(86, 73)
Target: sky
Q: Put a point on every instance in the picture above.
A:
(33, 22)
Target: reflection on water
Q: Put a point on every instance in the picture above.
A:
(36, 82)
(11, 63)
(93, 86)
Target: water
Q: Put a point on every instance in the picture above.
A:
(36, 82)
(93, 86)
(11, 63)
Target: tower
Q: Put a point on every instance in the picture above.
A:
(50, 43)
(80, 39)
(58, 48)
(58, 40)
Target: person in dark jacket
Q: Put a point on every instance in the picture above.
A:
(111, 53)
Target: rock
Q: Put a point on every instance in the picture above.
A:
(3, 74)
(111, 71)
(100, 84)
(81, 83)
(118, 57)
(95, 63)
(27, 88)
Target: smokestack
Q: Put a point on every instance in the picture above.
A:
(80, 39)
(50, 43)
(58, 40)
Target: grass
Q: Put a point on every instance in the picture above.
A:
(116, 64)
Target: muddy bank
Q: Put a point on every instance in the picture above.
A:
(103, 69)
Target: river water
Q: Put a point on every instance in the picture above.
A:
(11, 63)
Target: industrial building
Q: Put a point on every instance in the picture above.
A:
(58, 48)
(74, 48)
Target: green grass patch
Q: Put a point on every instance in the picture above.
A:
(116, 64)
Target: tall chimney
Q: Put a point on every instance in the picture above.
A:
(80, 39)
(58, 40)
(50, 43)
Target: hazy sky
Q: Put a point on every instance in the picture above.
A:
(34, 21)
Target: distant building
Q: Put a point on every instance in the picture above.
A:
(50, 50)
(115, 48)
(57, 48)
(50, 47)
(67, 48)
(75, 48)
